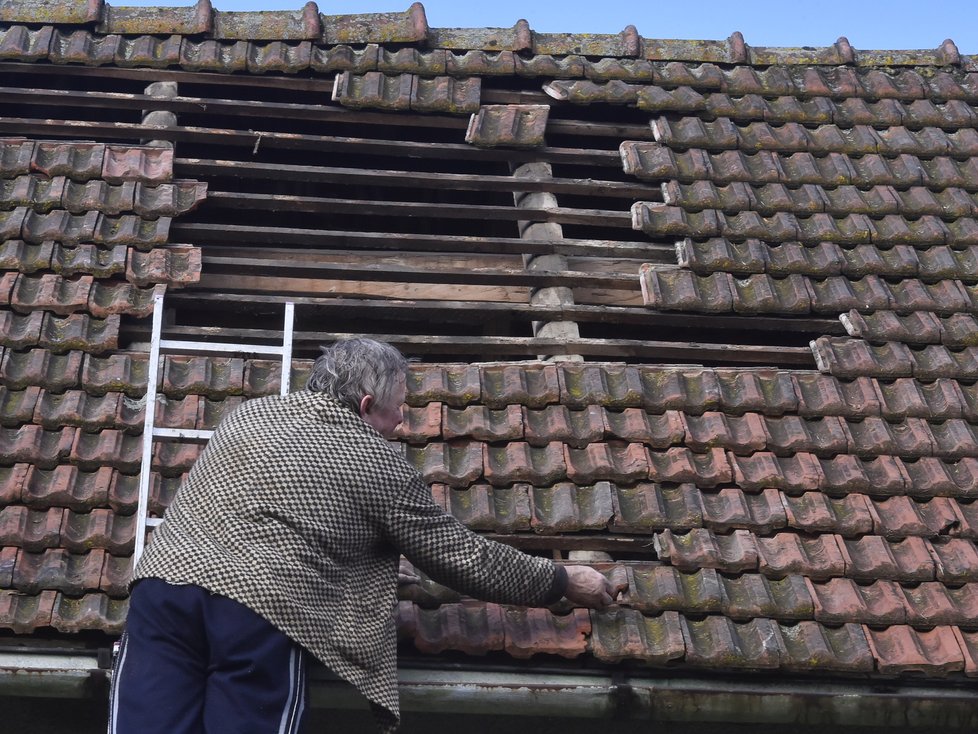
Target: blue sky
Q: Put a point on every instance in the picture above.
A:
(868, 24)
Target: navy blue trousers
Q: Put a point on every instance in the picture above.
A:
(192, 662)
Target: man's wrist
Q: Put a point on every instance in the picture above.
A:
(558, 587)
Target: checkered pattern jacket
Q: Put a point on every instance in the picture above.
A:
(299, 510)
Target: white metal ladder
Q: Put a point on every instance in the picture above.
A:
(151, 433)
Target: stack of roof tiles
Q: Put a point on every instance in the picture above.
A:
(807, 521)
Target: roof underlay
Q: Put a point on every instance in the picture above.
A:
(756, 268)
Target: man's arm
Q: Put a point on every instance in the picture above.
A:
(456, 557)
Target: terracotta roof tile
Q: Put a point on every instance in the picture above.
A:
(185, 375)
(871, 557)
(23, 614)
(706, 469)
(65, 486)
(798, 473)
(90, 611)
(474, 629)
(540, 631)
(483, 507)
(119, 372)
(762, 390)
(919, 327)
(816, 558)
(99, 528)
(956, 560)
(517, 126)
(86, 259)
(520, 462)
(17, 255)
(741, 434)
(719, 642)
(533, 386)
(567, 507)
(615, 460)
(116, 572)
(408, 26)
(615, 387)
(483, 424)
(902, 649)
(108, 447)
(790, 434)
(34, 445)
(90, 412)
(144, 234)
(814, 512)
(625, 634)
(453, 385)
(844, 358)
(647, 507)
(692, 389)
(457, 464)
(32, 530)
(701, 548)
(576, 428)
(51, 292)
(841, 600)
(376, 90)
(58, 570)
(812, 646)
(749, 596)
(653, 589)
(929, 605)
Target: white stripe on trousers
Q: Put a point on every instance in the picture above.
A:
(292, 714)
(114, 692)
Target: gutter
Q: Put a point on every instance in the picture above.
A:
(594, 694)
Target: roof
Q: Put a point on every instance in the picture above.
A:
(772, 505)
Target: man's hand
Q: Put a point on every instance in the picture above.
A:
(406, 573)
(589, 588)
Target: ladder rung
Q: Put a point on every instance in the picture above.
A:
(192, 434)
(183, 347)
(152, 522)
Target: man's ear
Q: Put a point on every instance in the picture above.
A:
(366, 403)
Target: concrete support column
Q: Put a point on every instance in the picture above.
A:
(160, 118)
(556, 296)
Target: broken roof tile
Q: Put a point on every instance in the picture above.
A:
(532, 631)
(517, 126)
(845, 357)
(625, 634)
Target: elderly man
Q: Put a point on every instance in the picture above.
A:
(285, 538)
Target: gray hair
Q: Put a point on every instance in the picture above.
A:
(352, 368)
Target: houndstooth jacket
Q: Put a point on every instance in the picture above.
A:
(298, 509)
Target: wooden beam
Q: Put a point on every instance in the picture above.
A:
(428, 210)
(274, 269)
(478, 311)
(500, 346)
(285, 236)
(248, 170)
(257, 139)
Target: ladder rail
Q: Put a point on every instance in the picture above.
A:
(151, 433)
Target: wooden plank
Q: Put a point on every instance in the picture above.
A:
(428, 210)
(326, 112)
(258, 139)
(248, 170)
(478, 311)
(284, 236)
(317, 86)
(286, 286)
(500, 346)
(272, 269)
